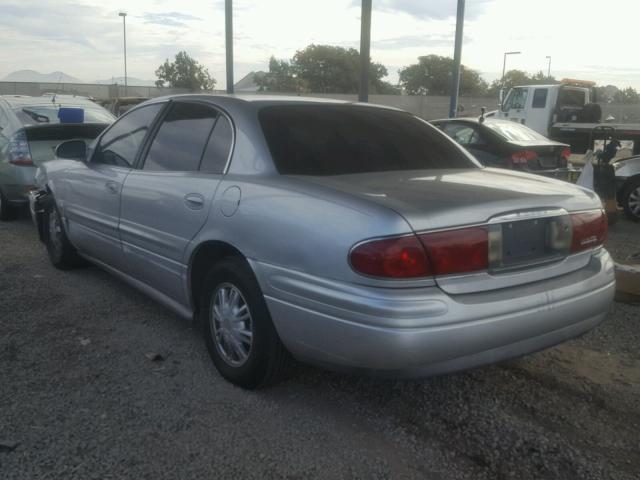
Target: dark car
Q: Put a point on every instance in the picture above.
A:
(507, 144)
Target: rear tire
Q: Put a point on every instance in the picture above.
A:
(631, 200)
(239, 333)
(7, 211)
(62, 254)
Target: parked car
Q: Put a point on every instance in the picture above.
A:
(347, 235)
(30, 129)
(628, 185)
(505, 144)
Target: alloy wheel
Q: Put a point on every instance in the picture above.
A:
(231, 323)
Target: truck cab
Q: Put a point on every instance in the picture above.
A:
(540, 106)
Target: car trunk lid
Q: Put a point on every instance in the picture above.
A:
(523, 209)
(43, 139)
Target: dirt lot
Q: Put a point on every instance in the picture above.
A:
(97, 381)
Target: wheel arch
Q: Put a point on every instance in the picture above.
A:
(627, 183)
(205, 256)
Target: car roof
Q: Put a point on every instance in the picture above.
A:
(267, 100)
(45, 100)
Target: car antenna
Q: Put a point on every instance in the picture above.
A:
(482, 112)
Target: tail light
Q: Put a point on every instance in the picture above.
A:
(522, 157)
(440, 253)
(401, 257)
(18, 151)
(457, 251)
(589, 230)
(564, 156)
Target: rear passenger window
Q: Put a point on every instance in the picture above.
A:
(181, 139)
(540, 98)
(217, 152)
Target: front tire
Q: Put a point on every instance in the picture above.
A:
(631, 200)
(62, 254)
(239, 333)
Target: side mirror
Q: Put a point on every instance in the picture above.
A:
(73, 150)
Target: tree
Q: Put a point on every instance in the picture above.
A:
(280, 78)
(184, 72)
(330, 69)
(432, 76)
(627, 95)
(514, 78)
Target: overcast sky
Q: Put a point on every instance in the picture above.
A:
(83, 38)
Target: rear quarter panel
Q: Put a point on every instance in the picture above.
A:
(287, 223)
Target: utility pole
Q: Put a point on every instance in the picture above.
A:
(457, 61)
(124, 33)
(365, 50)
(228, 14)
(549, 69)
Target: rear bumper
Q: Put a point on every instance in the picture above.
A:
(418, 332)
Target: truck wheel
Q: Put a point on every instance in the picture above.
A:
(7, 211)
(631, 200)
(62, 254)
(240, 336)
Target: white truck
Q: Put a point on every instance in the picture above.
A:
(567, 112)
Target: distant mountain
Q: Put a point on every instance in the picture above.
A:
(33, 76)
(133, 81)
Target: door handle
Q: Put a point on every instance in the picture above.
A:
(112, 187)
(194, 201)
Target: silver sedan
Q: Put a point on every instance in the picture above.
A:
(348, 235)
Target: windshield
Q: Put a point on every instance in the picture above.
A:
(346, 139)
(34, 114)
(514, 132)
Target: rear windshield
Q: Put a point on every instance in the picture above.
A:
(345, 139)
(514, 132)
(36, 114)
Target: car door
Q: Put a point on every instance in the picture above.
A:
(515, 105)
(166, 200)
(91, 200)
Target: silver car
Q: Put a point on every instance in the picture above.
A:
(348, 235)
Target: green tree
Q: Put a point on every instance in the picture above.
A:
(432, 76)
(281, 77)
(330, 69)
(184, 72)
(627, 95)
(514, 78)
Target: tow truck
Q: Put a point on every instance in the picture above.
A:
(567, 112)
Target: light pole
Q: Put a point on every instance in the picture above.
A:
(124, 33)
(504, 71)
(365, 50)
(228, 31)
(549, 69)
(457, 59)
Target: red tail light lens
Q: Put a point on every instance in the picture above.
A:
(18, 151)
(401, 257)
(457, 251)
(523, 157)
(589, 230)
(566, 153)
(439, 253)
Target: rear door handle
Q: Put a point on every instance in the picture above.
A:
(194, 201)
(112, 187)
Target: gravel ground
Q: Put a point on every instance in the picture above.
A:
(97, 381)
